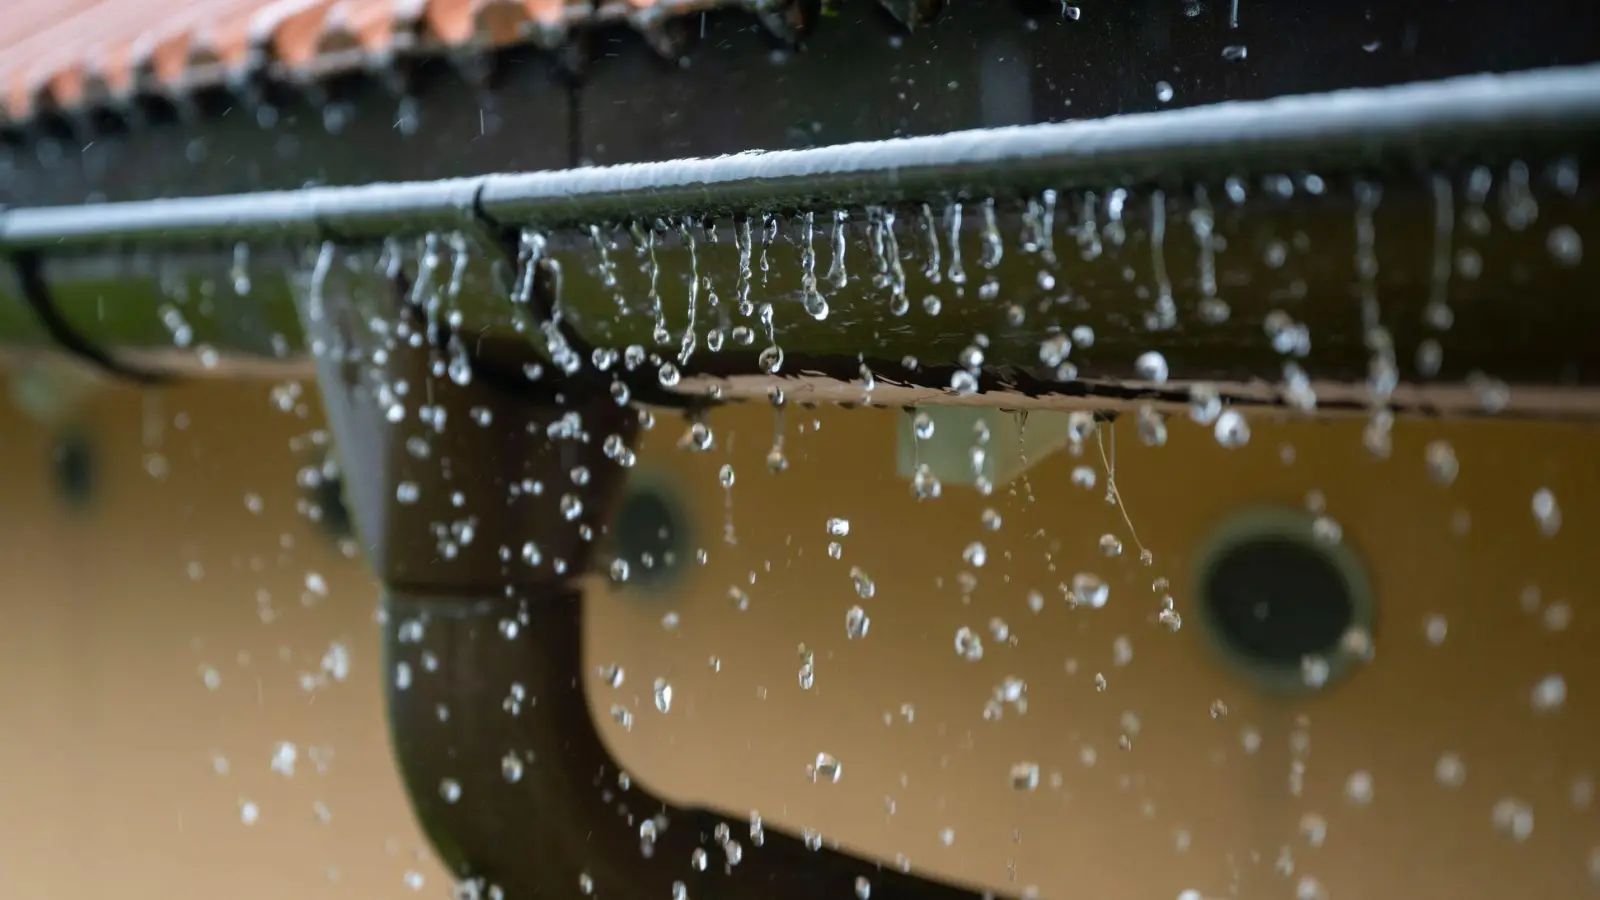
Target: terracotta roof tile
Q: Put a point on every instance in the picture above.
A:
(64, 54)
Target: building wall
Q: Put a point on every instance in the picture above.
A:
(115, 613)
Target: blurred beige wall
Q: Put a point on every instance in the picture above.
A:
(122, 774)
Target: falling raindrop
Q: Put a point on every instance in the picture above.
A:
(1232, 431)
(825, 768)
(1442, 464)
(856, 623)
(1151, 366)
(1358, 788)
(1088, 589)
(1546, 512)
(1314, 671)
(511, 767)
(1449, 771)
(1513, 818)
(975, 554)
(1025, 776)
(1565, 245)
(1435, 628)
(865, 588)
(969, 645)
(1550, 694)
(1083, 477)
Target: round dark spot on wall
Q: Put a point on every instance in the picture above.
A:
(651, 533)
(75, 469)
(1273, 596)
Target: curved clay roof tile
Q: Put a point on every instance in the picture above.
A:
(64, 53)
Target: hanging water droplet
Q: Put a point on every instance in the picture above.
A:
(1205, 403)
(922, 426)
(964, 383)
(663, 694)
(450, 790)
(990, 519)
(771, 359)
(1110, 545)
(863, 888)
(725, 476)
(1151, 425)
(1163, 92)
(838, 527)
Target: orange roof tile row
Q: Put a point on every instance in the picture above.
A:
(62, 54)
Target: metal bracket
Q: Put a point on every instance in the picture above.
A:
(29, 268)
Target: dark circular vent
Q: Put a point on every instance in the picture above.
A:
(1272, 595)
(651, 534)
